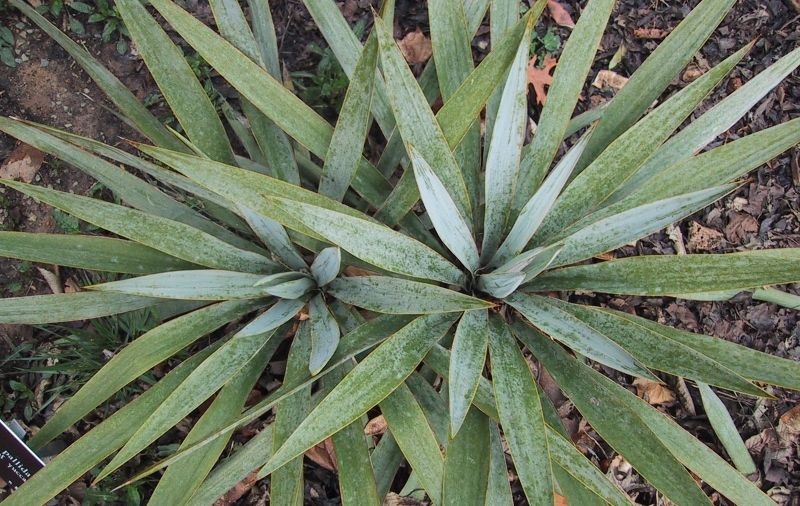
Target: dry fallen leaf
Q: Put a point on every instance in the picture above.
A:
(238, 491)
(540, 77)
(22, 163)
(650, 33)
(653, 392)
(559, 14)
(703, 238)
(52, 279)
(416, 47)
(789, 424)
(609, 79)
(357, 271)
(323, 455)
(676, 236)
(394, 499)
(794, 4)
(376, 426)
(618, 56)
(740, 227)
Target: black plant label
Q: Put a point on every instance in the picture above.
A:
(17, 462)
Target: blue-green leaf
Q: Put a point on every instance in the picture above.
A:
(401, 296)
(448, 221)
(520, 411)
(326, 266)
(324, 334)
(466, 364)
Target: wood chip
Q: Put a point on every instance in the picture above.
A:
(650, 33)
(609, 79)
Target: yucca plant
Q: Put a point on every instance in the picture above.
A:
(427, 325)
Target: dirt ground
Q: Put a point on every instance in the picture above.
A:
(48, 87)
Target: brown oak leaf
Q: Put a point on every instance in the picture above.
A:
(541, 77)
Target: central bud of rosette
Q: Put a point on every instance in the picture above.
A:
(293, 285)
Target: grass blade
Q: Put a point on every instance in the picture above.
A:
(448, 221)
(505, 149)
(416, 121)
(633, 224)
(138, 357)
(127, 187)
(324, 334)
(347, 143)
(568, 80)
(67, 307)
(189, 285)
(326, 266)
(271, 141)
(656, 352)
(235, 468)
(88, 252)
(626, 154)
(718, 166)
(605, 409)
(204, 381)
(118, 93)
(274, 236)
(171, 237)
(466, 364)
(371, 381)
(227, 404)
(399, 296)
(498, 489)
(570, 331)
(177, 82)
(416, 439)
(656, 73)
(366, 240)
(356, 475)
(536, 209)
(452, 53)
(774, 296)
(100, 442)
(726, 430)
(677, 274)
(286, 485)
(711, 124)
(466, 468)
(520, 411)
